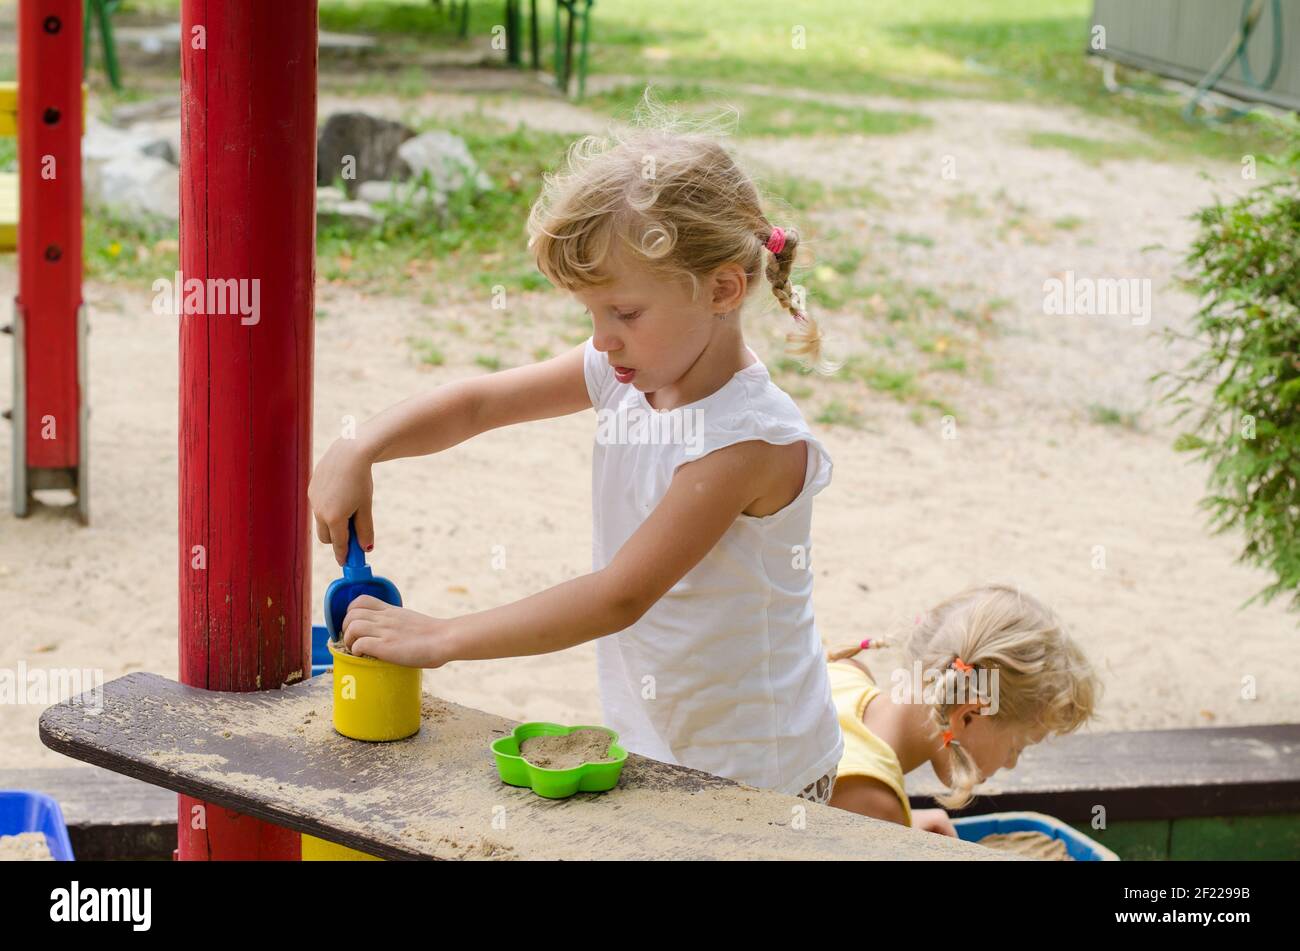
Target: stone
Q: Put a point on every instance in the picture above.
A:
(161, 148)
(357, 147)
(135, 186)
(333, 207)
(102, 143)
(354, 213)
(344, 42)
(445, 157)
(127, 171)
(403, 198)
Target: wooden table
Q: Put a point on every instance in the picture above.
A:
(274, 755)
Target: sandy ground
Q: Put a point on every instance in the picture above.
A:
(1025, 492)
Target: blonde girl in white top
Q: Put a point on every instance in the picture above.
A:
(703, 471)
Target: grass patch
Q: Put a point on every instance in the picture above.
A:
(1037, 51)
(413, 20)
(1109, 416)
(839, 413)
(806, 194)
(1093, 151)
(954, 363)
(426, 352)
(762, 115)
(1010, 49)
(138, 252)
(898, 383)
(397, 18)
(920, 240)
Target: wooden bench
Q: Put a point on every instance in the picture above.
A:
(274, 755)
(1206, 793)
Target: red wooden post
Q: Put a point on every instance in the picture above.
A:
(49, 357)
(248, 207)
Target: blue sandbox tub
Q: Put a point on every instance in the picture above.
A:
(1080, 847)
(23, 811)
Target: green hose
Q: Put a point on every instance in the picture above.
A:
(1251, 13)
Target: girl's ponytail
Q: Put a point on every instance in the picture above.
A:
(964, 777)
(852, 650)
(806, 339)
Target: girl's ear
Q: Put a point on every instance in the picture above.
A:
(966, 713)
(729, 286)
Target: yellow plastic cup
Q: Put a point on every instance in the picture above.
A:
(373, 699)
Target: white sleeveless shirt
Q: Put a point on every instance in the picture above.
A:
(726, 672)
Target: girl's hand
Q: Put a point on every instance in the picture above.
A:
(397, 635)
(933, 820)
(342, 487)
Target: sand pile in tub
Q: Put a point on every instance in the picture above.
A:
(25, 847)
(1030, 844)
(567, 752)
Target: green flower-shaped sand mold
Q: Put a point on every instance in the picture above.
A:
(556, 783)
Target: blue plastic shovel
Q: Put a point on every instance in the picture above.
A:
(357, 580)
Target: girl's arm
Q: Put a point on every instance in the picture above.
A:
(341, 485)
(454, 412)
(703, 500)
(871, 797)
(868, 797)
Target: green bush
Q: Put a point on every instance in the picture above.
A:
(1242, 388)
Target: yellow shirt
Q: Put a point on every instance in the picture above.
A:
(865, 754)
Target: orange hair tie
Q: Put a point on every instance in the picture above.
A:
(962, 665)
(947, 737)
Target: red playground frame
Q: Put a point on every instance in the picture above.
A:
(49, 328)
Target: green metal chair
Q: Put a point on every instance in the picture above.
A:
(451, 11)
(564, 36)
(103, 10)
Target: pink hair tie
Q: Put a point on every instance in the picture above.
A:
(776, 240)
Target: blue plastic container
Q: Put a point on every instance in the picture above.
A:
(1080, 847)
(23, 811)
(321, 658)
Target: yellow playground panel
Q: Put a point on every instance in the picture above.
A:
(8, 180)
